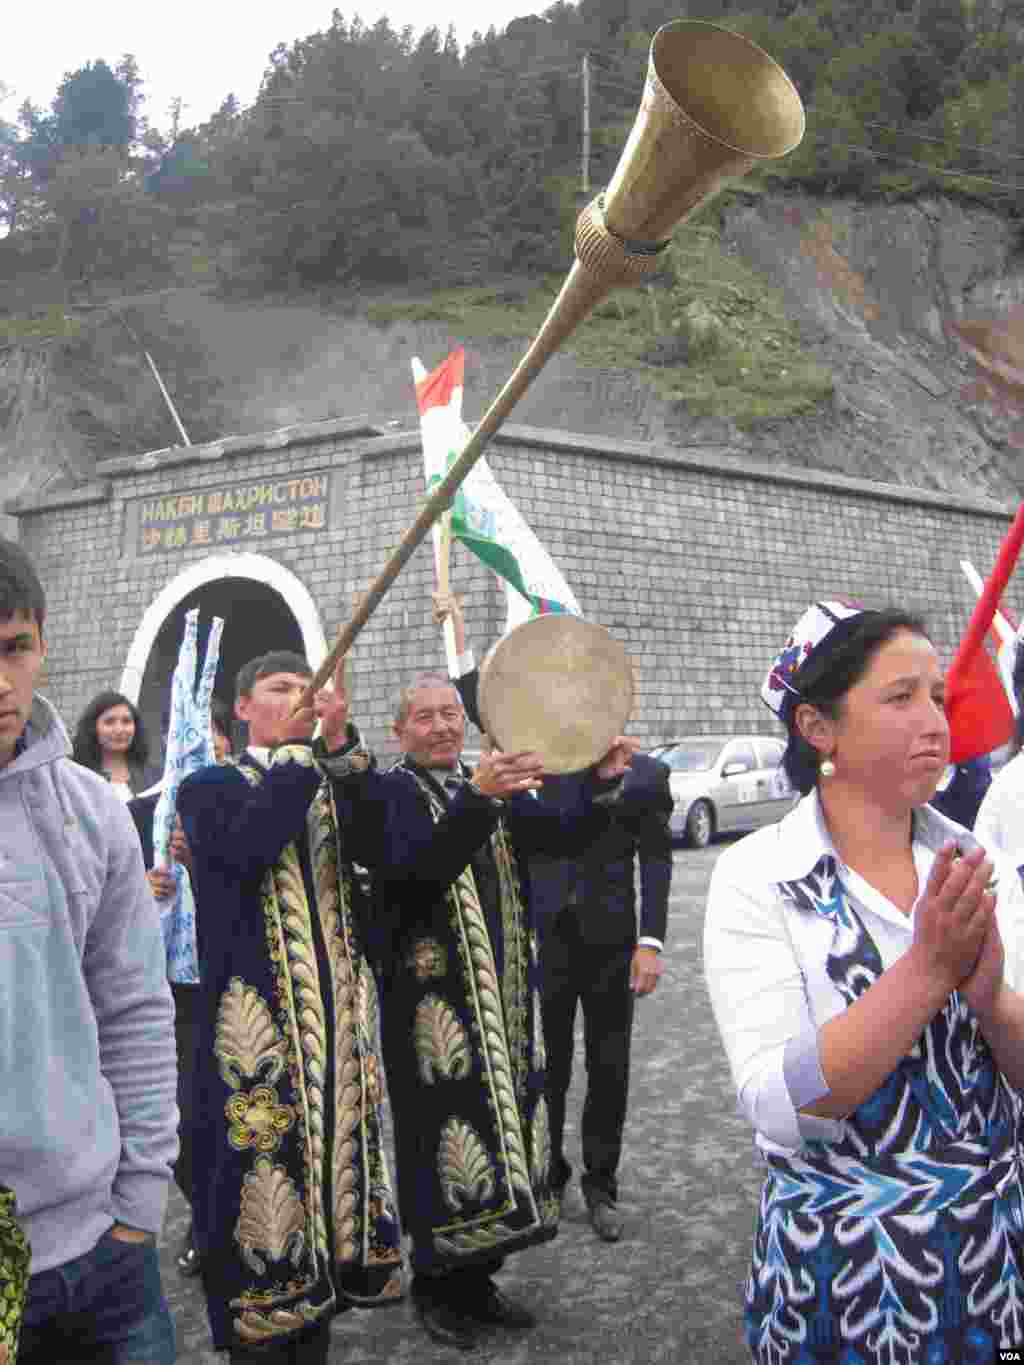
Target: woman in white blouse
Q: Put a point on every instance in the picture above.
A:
(861, 973)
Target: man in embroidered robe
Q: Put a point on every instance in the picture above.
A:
(592, 957)
(293, 1215)
(452, 938)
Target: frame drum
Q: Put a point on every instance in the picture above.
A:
(557, 685)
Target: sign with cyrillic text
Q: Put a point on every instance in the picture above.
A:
(246, 511)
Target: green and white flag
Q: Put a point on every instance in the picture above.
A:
(483, 516)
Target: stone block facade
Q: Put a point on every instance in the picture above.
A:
(699, 561)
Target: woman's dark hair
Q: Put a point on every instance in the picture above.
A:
(840, 662)
(86, 746)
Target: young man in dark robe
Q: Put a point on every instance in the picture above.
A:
(454, 944)
(293, 1215)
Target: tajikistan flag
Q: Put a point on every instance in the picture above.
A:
(483, 517)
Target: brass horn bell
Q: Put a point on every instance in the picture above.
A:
(713, 105)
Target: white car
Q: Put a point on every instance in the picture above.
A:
(723, 783)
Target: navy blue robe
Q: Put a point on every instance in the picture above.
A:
(292, 1209)
(452, 937)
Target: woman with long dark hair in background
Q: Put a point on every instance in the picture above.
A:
(110, 740)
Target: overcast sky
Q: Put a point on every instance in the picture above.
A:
(202, 50)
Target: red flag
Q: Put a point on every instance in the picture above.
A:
(980, 718)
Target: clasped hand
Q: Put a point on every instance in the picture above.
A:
(955, 929)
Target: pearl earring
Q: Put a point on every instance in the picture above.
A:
(827, 768)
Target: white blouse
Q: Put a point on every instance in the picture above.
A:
(1000, 821)
(766, 961)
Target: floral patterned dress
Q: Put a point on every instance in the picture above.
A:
(901, 1243)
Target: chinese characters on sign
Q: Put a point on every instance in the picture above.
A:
(238, 512)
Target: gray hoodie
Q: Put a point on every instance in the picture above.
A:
(88, 1119)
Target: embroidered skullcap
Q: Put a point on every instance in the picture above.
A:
(818, 623)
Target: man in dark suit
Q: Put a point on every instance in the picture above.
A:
(594, 956)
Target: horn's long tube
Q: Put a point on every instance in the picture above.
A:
(577, 297)
(713, 105)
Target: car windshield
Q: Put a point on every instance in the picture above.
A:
(692, 756)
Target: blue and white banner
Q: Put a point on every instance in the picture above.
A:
(189, 748)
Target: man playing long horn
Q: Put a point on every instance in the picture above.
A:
(452, 938)
(293, 1216)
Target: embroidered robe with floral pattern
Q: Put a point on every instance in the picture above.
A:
(452, 937)
(292, 1205)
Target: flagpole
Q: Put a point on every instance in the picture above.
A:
(442, 560)
(441, 535)
(156, 375)
(1003, 622)
(438, 502)
(442, 495)
(988, 603)
(1004, 631)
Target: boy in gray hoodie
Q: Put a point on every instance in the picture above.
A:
(88, 1121)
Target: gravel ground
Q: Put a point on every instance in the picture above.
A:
(670, 1290)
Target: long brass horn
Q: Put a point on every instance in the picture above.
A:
(714, 104)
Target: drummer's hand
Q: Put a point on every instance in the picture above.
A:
(331, 708)
(617, 760)
(501, 775)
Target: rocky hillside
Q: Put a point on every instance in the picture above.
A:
(867, 290)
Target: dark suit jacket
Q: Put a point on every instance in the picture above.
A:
(962, 799)
(599, 884)
(142, 810)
